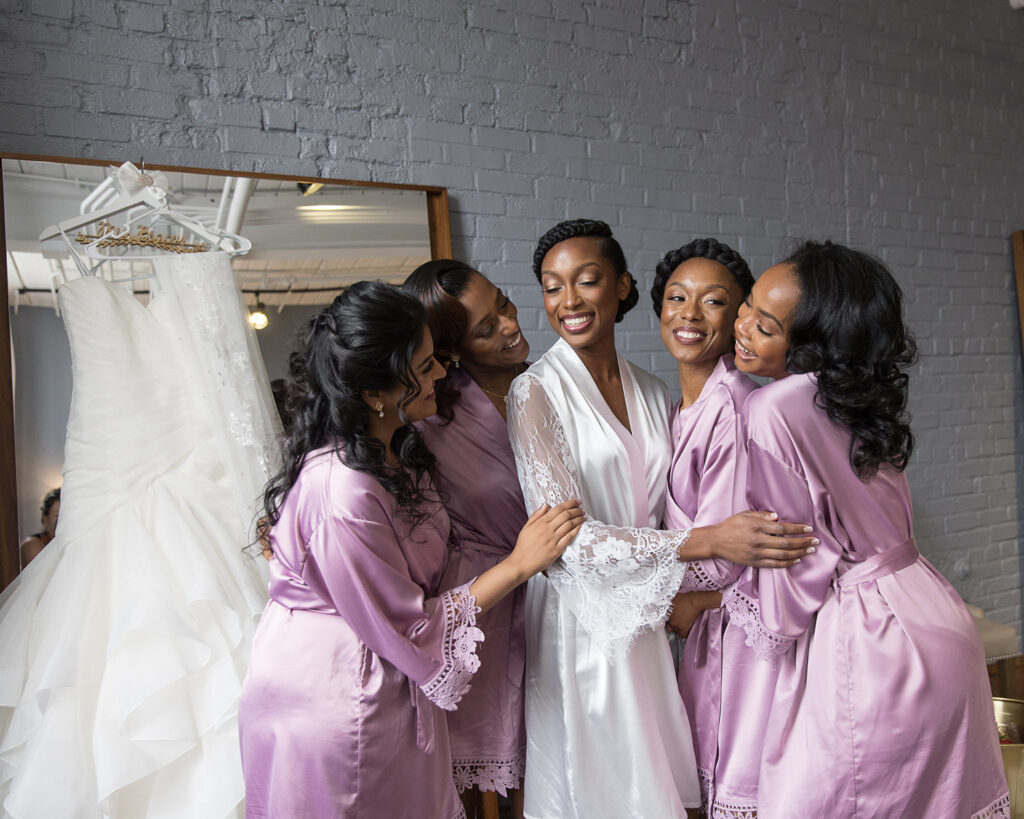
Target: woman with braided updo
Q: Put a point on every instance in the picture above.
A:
(607, 734)
(880, 705)
(697, 292)
(476, 331)
(357, 654)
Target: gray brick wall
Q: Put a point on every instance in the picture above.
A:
(896, 127)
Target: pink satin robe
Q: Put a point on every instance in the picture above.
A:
(707, 483)
(354, 658)
(476, 473)
(882, 706)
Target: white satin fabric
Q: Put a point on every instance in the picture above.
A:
(607, 733)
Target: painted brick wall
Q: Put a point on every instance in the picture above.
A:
(896, 127)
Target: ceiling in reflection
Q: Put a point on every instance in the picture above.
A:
(306, 247)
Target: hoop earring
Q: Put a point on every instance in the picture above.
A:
(379, 406)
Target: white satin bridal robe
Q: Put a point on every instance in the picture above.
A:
(607, 733)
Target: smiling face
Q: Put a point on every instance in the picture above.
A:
(424, 371)
(700, 304)
(582, 291)
(762, 328)
(492, 340)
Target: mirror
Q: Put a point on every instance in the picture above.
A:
(310, 238)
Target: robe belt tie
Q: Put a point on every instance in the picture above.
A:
(880, 565)
(465, 544)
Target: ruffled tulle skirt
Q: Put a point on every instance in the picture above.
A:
(122, 651)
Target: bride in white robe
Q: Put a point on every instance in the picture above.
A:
(607, 732)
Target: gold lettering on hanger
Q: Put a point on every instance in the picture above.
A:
(112, 236)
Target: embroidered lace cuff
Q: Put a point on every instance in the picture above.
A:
(697, 577)
(458, 651)
(489, 775)
(627, 590)
(745, 612)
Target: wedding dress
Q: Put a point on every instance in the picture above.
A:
(124, 644)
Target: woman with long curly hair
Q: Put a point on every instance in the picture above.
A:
(607, 734)
(882, 705)
(476, 332)
(358, 654)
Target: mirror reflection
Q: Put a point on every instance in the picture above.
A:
(309, 240)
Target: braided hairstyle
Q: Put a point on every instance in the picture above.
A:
(849, 331)
(438, 285)
(365, 340)
(708, 248)
(610, 249)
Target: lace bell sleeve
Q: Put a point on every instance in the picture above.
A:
(358, 566)
(618, 581)
(775, 606)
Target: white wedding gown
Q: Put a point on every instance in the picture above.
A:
(124, 644)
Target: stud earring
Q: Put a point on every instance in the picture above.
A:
(455, 360)
(379, 406)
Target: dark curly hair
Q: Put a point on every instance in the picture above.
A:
(708, 248)
(51, 497)
(365, 340)
(438, 285)
(610, 249)
(849, 331)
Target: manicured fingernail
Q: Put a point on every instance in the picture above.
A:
(808, 529)
(815, 541)
(810, 551)
(798, 560)
(773, 516)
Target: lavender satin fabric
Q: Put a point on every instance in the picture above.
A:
(882, 706)
(476, 472)
(338, 715)
(707, 483)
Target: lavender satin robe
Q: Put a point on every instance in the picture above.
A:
(882, 706)
(476, 471)
(707, 483)
(354, 658)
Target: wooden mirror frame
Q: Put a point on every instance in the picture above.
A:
(440, 248)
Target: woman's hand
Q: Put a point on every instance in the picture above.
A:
(752, 539)
(687, 607)
(541, 542)
(545, 536)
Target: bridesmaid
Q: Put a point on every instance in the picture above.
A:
(357, 652)
(476, 333)
(882, 706)
(697, 292)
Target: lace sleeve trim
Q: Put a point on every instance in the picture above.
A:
(618, 581)
(745, 612)
(458, 650)
(698, 578)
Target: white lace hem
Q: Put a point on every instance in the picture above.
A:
(718, 808)
(458, 650)
(1000, 809)
(489, 775)
(745, 612)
